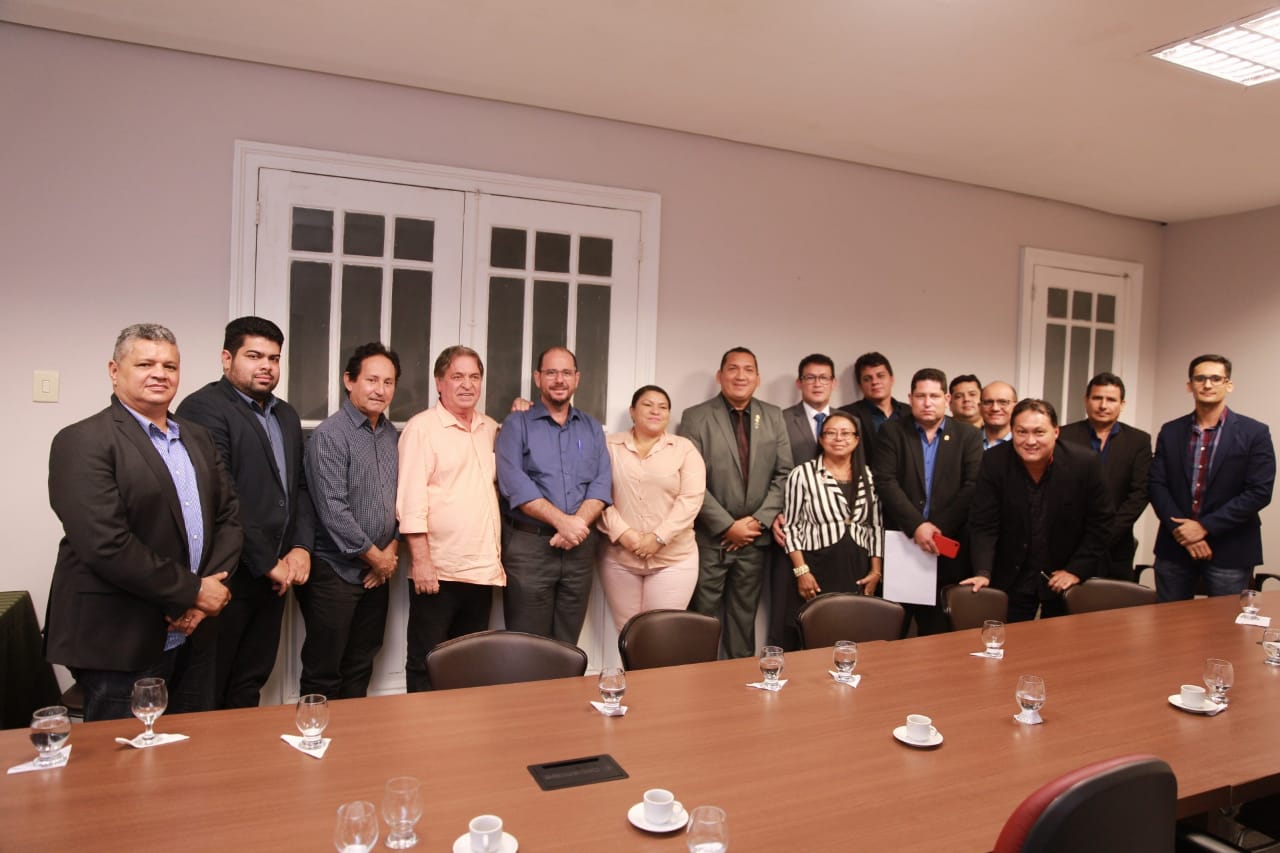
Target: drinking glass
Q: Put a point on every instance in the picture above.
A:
(708, 830)
(401, 809)
(613, 684)
(357, 828)
(1030, 695)
(845, 658)
(1218, 678)
(993, 636)
(771, 665)
(311, 718)
(50, 728)
(1249, 602)
(150, 698)
(1271, 645)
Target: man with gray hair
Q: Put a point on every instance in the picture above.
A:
(151, 531)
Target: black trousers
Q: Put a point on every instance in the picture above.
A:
(345, 623)
(457, 609)
(187, 671)
(248, 638)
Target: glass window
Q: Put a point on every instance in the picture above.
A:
(507, 248)
(595, 256)
(1081, 305)
(1106, 308)
(551, 252)
(1055, 359)
(503, 375)
(1080, 375)
(415, 239)
(364, 234)
(593, 349)
(312, 230)
(550, 317)
(1057, 302)
(361, 308)
(309, 295)
(411, 339)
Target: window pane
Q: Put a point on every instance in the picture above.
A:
(1106, 308)
(1055, 361)
(550, 316)
(361, 309)
(312, 230)
(593, 349)
(410, 338)
(415, 239)
(1082, 305)
(595, 256)
(1104, 348)
(551, 252)
(507, 248)
(1057, 302)
(309, 339)
(1080, 375)
(363, 234)
(506, 340)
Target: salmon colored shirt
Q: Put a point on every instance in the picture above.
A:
(446, 490)
(660, 493)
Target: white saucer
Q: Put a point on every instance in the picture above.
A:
(463, 843)
(1209, 708)
(901, 734)
(680, 817)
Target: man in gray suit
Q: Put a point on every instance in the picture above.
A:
(744, 443)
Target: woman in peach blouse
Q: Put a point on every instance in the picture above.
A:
(650, 560)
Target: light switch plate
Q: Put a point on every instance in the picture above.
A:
(44, 386)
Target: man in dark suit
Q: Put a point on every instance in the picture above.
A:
(925, 468)
(1041, 516)
(877, 406)
(1213, 471)
(1126, 460)
(150, 533)
(744, 444)
(259, 440)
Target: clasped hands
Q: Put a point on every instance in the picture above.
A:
(212, 597)
(741, 533)
(643, 545)
(1190, 534)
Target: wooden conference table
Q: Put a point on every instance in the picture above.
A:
(814, 767)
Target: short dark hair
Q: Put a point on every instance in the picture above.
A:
(448, 354)
(1200, 359)
(928, 374)
(543, 355)
(961, 379)
(724, 359)
(870, 359)
(250, 327)
(645, 389)
(815, 358)
(1030, 404)
(1103, 379)
(369, 350)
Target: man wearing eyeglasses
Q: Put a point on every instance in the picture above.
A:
(555, 479)
(996, 403)
(1213, 471)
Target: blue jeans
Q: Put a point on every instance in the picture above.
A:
(187, 671)
(1178, 581)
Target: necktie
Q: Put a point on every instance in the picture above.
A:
(819, 419)
(744, 448)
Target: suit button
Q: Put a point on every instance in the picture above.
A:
(279, 503)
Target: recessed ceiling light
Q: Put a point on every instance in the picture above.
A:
(1246, 52)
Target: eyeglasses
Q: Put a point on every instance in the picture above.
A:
(1001, 404)
(1210, 379)
(815, 379)
(563, 374)
(842, 435)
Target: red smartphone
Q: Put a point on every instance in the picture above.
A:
(946, 547)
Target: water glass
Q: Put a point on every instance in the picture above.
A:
(1218, 678)
(1271, 645)
(771, 665)
(150, 698)
(1249, 602)
(50, 728)
(708, 830)
(401, 809)
(311, 718)
(845, 657)
(357, 828)
(1030, 694)
(613, 685)
(993, 636)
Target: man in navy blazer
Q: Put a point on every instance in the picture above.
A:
(259, 439)
(1213, 471)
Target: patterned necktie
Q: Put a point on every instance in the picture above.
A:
(744, 448)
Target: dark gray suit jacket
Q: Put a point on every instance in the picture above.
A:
(803, 444)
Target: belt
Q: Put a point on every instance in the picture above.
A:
(526, 527)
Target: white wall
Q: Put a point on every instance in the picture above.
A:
(115, 164)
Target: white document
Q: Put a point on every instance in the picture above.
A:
(910, 575)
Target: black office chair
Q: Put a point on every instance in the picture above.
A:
(968, 609)
(502, 657)
(1107, 594)
(836, 616)
(668, 638)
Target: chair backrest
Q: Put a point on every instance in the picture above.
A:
(968, 609)
(836, 616)
(668, 638)
(1107, 594)
(1121, 805)
(502, 657)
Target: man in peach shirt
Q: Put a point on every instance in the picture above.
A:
(447, 506)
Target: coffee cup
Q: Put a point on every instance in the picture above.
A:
(659, 806)
(919, 727)
(486, 833)
(1193, 696)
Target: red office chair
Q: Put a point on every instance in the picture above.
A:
(1121, 805)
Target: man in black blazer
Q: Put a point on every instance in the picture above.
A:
(877, 406)
(1213, 471)
(150, 532)
(1125, 452)
(925, 468)
(1041, 515)
(259, 440)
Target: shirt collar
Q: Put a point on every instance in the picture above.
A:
(148, 426)
(265, 408)
(810, 411)
(730, 407)
(359, 419)
(540, 410)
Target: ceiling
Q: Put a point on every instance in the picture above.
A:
(1051, 98)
